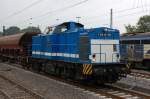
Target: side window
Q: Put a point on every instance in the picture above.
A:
(114, 47)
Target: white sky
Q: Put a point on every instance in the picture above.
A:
(93, 13)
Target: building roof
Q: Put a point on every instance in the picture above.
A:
(136, 36)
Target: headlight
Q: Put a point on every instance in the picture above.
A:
(94, 58)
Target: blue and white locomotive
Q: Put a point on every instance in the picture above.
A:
(71, 51)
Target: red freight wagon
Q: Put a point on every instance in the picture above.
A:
(16, 47)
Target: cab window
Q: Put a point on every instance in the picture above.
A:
(61, 28)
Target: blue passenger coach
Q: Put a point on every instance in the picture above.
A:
(70, 50)
(135, 49)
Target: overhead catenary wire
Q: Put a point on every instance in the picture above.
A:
(22, 10)
(70, 6)
(76, 4)
(67, 7)
(61, 9)
(56, 10)
(133, 8)
(118, 17)
(121, 11)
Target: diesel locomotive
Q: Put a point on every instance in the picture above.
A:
(70, 51)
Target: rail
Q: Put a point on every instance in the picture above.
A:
(13, 90)
(106, 91)
(140, 73)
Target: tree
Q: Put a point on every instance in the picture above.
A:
(31, 29)
(12, 30)
(143, 25)
(130, 28)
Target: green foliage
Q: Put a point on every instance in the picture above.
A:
(130, 28)
(12, 30)
(143, 25)
(31, 29)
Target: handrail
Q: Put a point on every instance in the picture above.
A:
(113, 56)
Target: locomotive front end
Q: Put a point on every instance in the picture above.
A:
(102, 61)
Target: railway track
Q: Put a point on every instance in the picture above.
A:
(121, 93)
(141, 74)
(12, 90)
(104, 92)
(114, 92)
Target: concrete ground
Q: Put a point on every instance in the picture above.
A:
(49, 88)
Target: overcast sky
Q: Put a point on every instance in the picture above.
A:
(93, 13)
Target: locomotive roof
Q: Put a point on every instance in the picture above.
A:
(65, 23)
(136, 36)
(15, 39)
